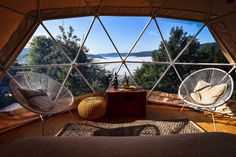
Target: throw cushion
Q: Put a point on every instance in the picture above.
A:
(201, 85)
(205, 93)
(37, 99)
(92, 108)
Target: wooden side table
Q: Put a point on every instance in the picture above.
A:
(126, 102)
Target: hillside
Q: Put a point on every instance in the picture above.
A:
(114, 54)
(208, 44)
(22, 57)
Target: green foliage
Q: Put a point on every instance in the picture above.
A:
(42, 50)
(147, 75)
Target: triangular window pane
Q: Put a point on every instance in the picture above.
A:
(177, 33)
(124, 75)
(99, 76)
(169, 83)
(100, 48)
(69, 34)
(76, 84)
(147, 74)
(124, 30)
(147, 45)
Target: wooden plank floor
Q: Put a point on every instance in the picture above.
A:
(155, 112)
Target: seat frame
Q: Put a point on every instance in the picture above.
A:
(212, 107)
(44, 115)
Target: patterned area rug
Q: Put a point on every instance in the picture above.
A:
(135, 128)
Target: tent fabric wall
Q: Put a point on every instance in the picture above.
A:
(19, 19)
(224, 33)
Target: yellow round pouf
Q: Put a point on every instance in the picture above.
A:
(92, 108)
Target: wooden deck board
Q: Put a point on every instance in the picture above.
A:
(157, 112)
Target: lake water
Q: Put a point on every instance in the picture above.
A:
(114, 66)
(22, 59)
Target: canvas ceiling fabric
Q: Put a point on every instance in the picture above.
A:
(19, 19)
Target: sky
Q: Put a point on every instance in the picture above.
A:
(124, 31)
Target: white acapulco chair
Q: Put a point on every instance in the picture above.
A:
(58, 94)
(213, 76)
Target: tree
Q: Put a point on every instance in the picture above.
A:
(147, 75)
(42, 50)
(151, 73)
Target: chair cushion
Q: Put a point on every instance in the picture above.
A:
(37, 99)
(92, 108)
(205, 93)
(201, 85)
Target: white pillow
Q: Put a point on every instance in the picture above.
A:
(37, 99)
(205, 93)
(201, 85)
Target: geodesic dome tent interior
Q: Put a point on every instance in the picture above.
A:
(21, 19)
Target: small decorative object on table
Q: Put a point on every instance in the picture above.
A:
(126, 84)
(115, 81)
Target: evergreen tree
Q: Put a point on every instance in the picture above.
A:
(147, 75)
